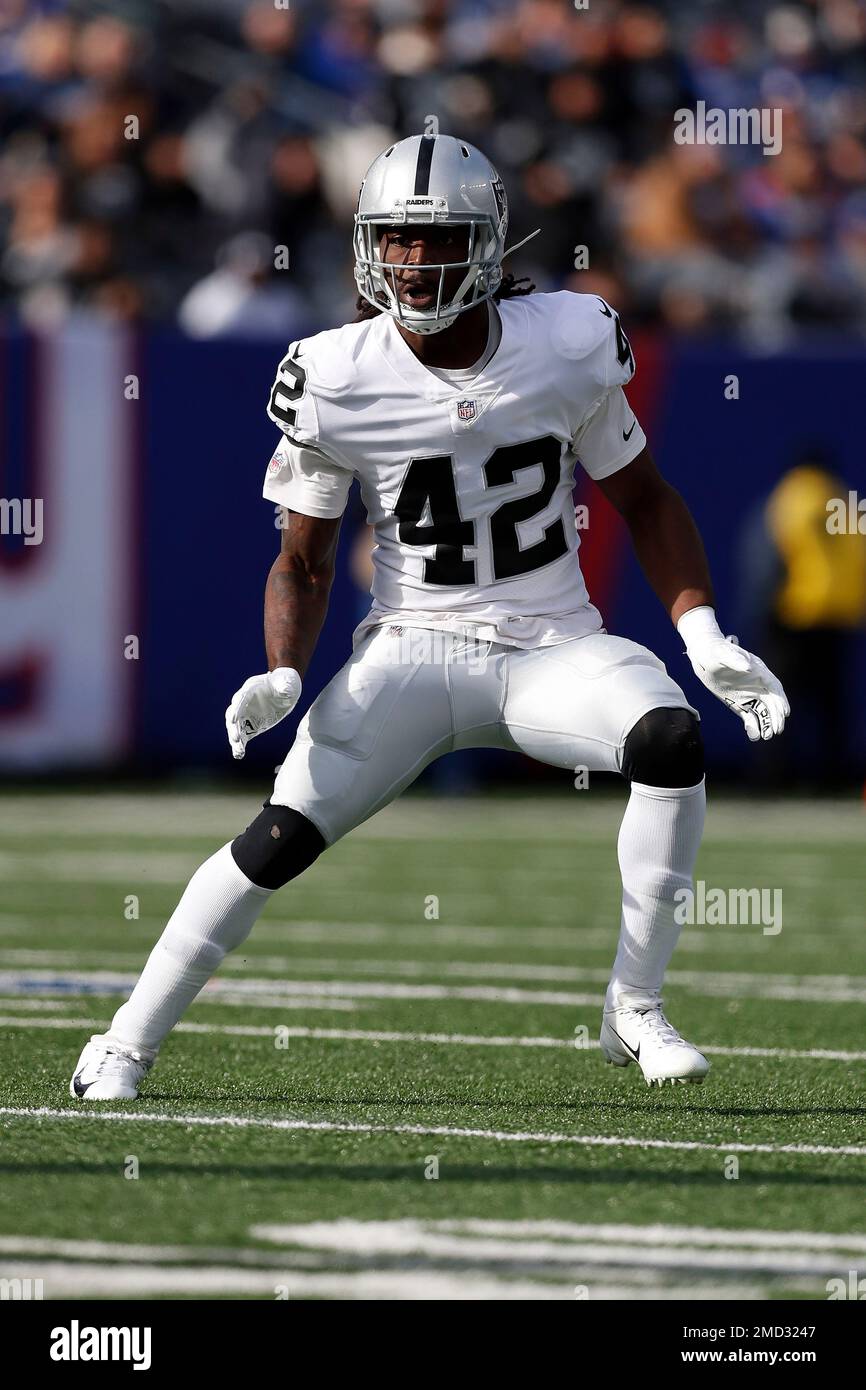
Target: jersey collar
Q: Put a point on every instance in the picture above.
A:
(493, 376)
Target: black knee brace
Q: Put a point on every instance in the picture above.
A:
(665, 749)
(278, 846)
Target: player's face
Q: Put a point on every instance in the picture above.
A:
(426, 244)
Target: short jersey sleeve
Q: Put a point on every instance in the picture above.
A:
(304, 480)
(609, 436)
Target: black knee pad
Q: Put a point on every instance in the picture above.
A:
(278, 846)
(665, 749)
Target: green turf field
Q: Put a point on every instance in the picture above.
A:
(288, 1142)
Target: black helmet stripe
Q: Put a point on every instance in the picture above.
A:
(422, 168)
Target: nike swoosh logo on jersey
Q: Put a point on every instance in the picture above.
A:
(628, 436)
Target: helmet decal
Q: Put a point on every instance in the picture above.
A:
(425, 162)
(499, 195)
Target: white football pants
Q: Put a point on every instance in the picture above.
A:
(407, 695)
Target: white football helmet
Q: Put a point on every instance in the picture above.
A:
(431, 178)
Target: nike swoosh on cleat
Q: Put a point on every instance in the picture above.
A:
(630, 1050)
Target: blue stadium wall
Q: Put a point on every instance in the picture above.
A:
(195, 539)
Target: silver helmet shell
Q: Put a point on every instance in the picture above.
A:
(439, 179)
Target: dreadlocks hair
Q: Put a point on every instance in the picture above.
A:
(509, 288)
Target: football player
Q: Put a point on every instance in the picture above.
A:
(461, 402)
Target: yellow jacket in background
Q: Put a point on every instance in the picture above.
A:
(825, 573)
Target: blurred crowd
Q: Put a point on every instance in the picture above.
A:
(156, 154)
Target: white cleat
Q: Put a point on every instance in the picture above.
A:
(108, 1070)
(645, 1036)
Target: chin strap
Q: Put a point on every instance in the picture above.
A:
(518, 244)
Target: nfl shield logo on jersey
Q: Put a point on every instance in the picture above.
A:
(466, 410)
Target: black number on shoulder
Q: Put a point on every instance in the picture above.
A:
(624, 353)
(289, 387)
(508, 558)
(429, 482)
(429, 486)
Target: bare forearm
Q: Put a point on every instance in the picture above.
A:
(671, 553)
(298, 587)
(295, 607)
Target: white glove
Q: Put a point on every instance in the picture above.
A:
(261, 702)
(734, 675)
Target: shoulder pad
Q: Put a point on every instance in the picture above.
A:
(329, 358)
(320, 367)
(580, 323)
(585, 326)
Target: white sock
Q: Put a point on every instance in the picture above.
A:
(657, 848)
(216, 913)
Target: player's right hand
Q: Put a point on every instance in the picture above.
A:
(261, 702)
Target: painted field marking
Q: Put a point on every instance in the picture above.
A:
(374, 1035)
(434, 1131)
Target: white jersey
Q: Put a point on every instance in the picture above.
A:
(469, 487)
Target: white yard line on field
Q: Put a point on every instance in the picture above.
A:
(817, 989)
(96, 981)
(567, 938)
(403, 1238)
(552, 873)
(371, 1236)
(78, 1280)
(131, 1253)
(613, 1261)
(661, 1234)
(715, 981)
(373, 1035)
(429, 1131)
(838, 935)
(168, 866)
(133, 867)
(221, 815)
(40, 1006)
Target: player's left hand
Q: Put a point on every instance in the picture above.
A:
(735, 676)
(261, 702)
